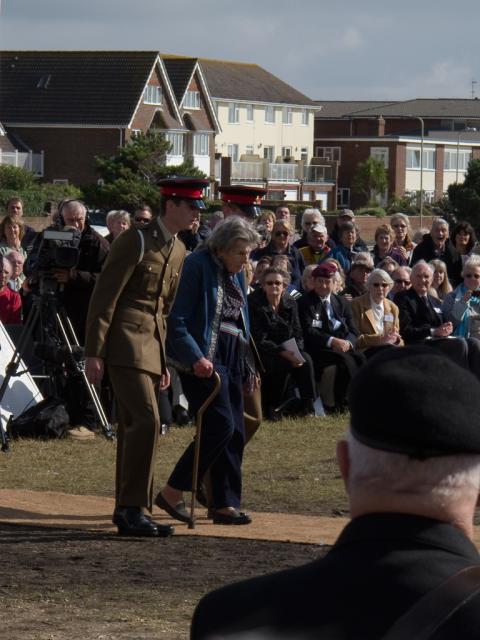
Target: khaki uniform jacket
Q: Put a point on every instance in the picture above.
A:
(365, 321)
(126, 322)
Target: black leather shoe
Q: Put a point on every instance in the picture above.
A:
(131, 521)
(178, 512)
(201, 495)
(180, 416)
(235, 517)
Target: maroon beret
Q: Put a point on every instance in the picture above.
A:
(325, 270)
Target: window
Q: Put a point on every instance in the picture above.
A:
(304, 154)
(286, 152)
(380, 153)
(343, 197)
(192, 100)
(413, 158)
(287, 115)
(232, 152)
(249, 112)
(233, 113)
(269, 153)
(270, 113)
(249, 150)
(176, 140)
(305, 116)
(450, 159)
(136, 133)
(152, 94)
(200, 144)
(328, 153)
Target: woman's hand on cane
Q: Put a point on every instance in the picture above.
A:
(203, 368)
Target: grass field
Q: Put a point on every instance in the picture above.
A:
(288, 466)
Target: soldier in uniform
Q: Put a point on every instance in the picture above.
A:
(126, 328)
(412, 477)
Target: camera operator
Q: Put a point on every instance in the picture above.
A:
(75, 289)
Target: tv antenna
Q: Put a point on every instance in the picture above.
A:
(474, 82)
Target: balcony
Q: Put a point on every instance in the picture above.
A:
(31, 161)
(284, 173)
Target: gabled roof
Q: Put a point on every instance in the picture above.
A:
(425, 108)
(180, 71)
(249, 82)
(343, 108)
(73, 87)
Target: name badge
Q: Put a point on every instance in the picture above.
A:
(437, 310)
(317, 324)
(388, 317)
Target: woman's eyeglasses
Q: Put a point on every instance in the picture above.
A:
(399, 226)
(281, 233)
(384, 285)
(473, 275)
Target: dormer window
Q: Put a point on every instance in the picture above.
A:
(152, 94)
(192, 100)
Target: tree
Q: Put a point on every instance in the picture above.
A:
(16, 178)
(370, 180)
(131, 177)
(465, 198)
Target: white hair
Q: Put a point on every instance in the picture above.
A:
(422, 263)
(313, 212)
(471, 262)
(444, 477)
(379, 275)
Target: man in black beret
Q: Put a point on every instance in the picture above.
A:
(412, 478)
(329, 331)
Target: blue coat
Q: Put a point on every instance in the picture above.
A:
(194, 320)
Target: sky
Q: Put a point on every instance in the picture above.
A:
(335, 50)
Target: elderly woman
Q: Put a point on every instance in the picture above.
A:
(117, 222)
(461, 307)
(384, 247)
(344, 252)
(208, 330)
(440, 285)
(17, 278)
(10, 301)
(402, 230)
(375, 316)
(274, 321)
(11, 234)
(280, 245)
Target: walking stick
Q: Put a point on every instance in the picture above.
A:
(196, 457)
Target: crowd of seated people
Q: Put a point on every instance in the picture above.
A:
(338, 300)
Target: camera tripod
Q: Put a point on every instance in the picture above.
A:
(45, 315)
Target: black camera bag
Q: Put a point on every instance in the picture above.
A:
(47, 419)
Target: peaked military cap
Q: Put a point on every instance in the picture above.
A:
(185, 189)
(246, 197)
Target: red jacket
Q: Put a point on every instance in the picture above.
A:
(10, 306)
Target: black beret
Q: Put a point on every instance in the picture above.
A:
(416, 401)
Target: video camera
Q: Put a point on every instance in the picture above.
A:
(53, 249)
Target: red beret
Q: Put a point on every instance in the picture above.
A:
(325, 270)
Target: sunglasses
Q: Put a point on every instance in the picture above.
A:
(281, 233)
(402, 281)
(142, 220)
(384, 285)
(399, 226)
(277, 283)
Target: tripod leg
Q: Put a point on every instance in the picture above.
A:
(80, 368)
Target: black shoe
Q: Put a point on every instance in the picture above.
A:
(235, 517)
(131, 521)
(178, 511)
(180, 416)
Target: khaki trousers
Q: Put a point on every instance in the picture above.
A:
(137, 435)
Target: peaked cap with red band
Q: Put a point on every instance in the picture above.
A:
(190, 189)
(245, 197)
